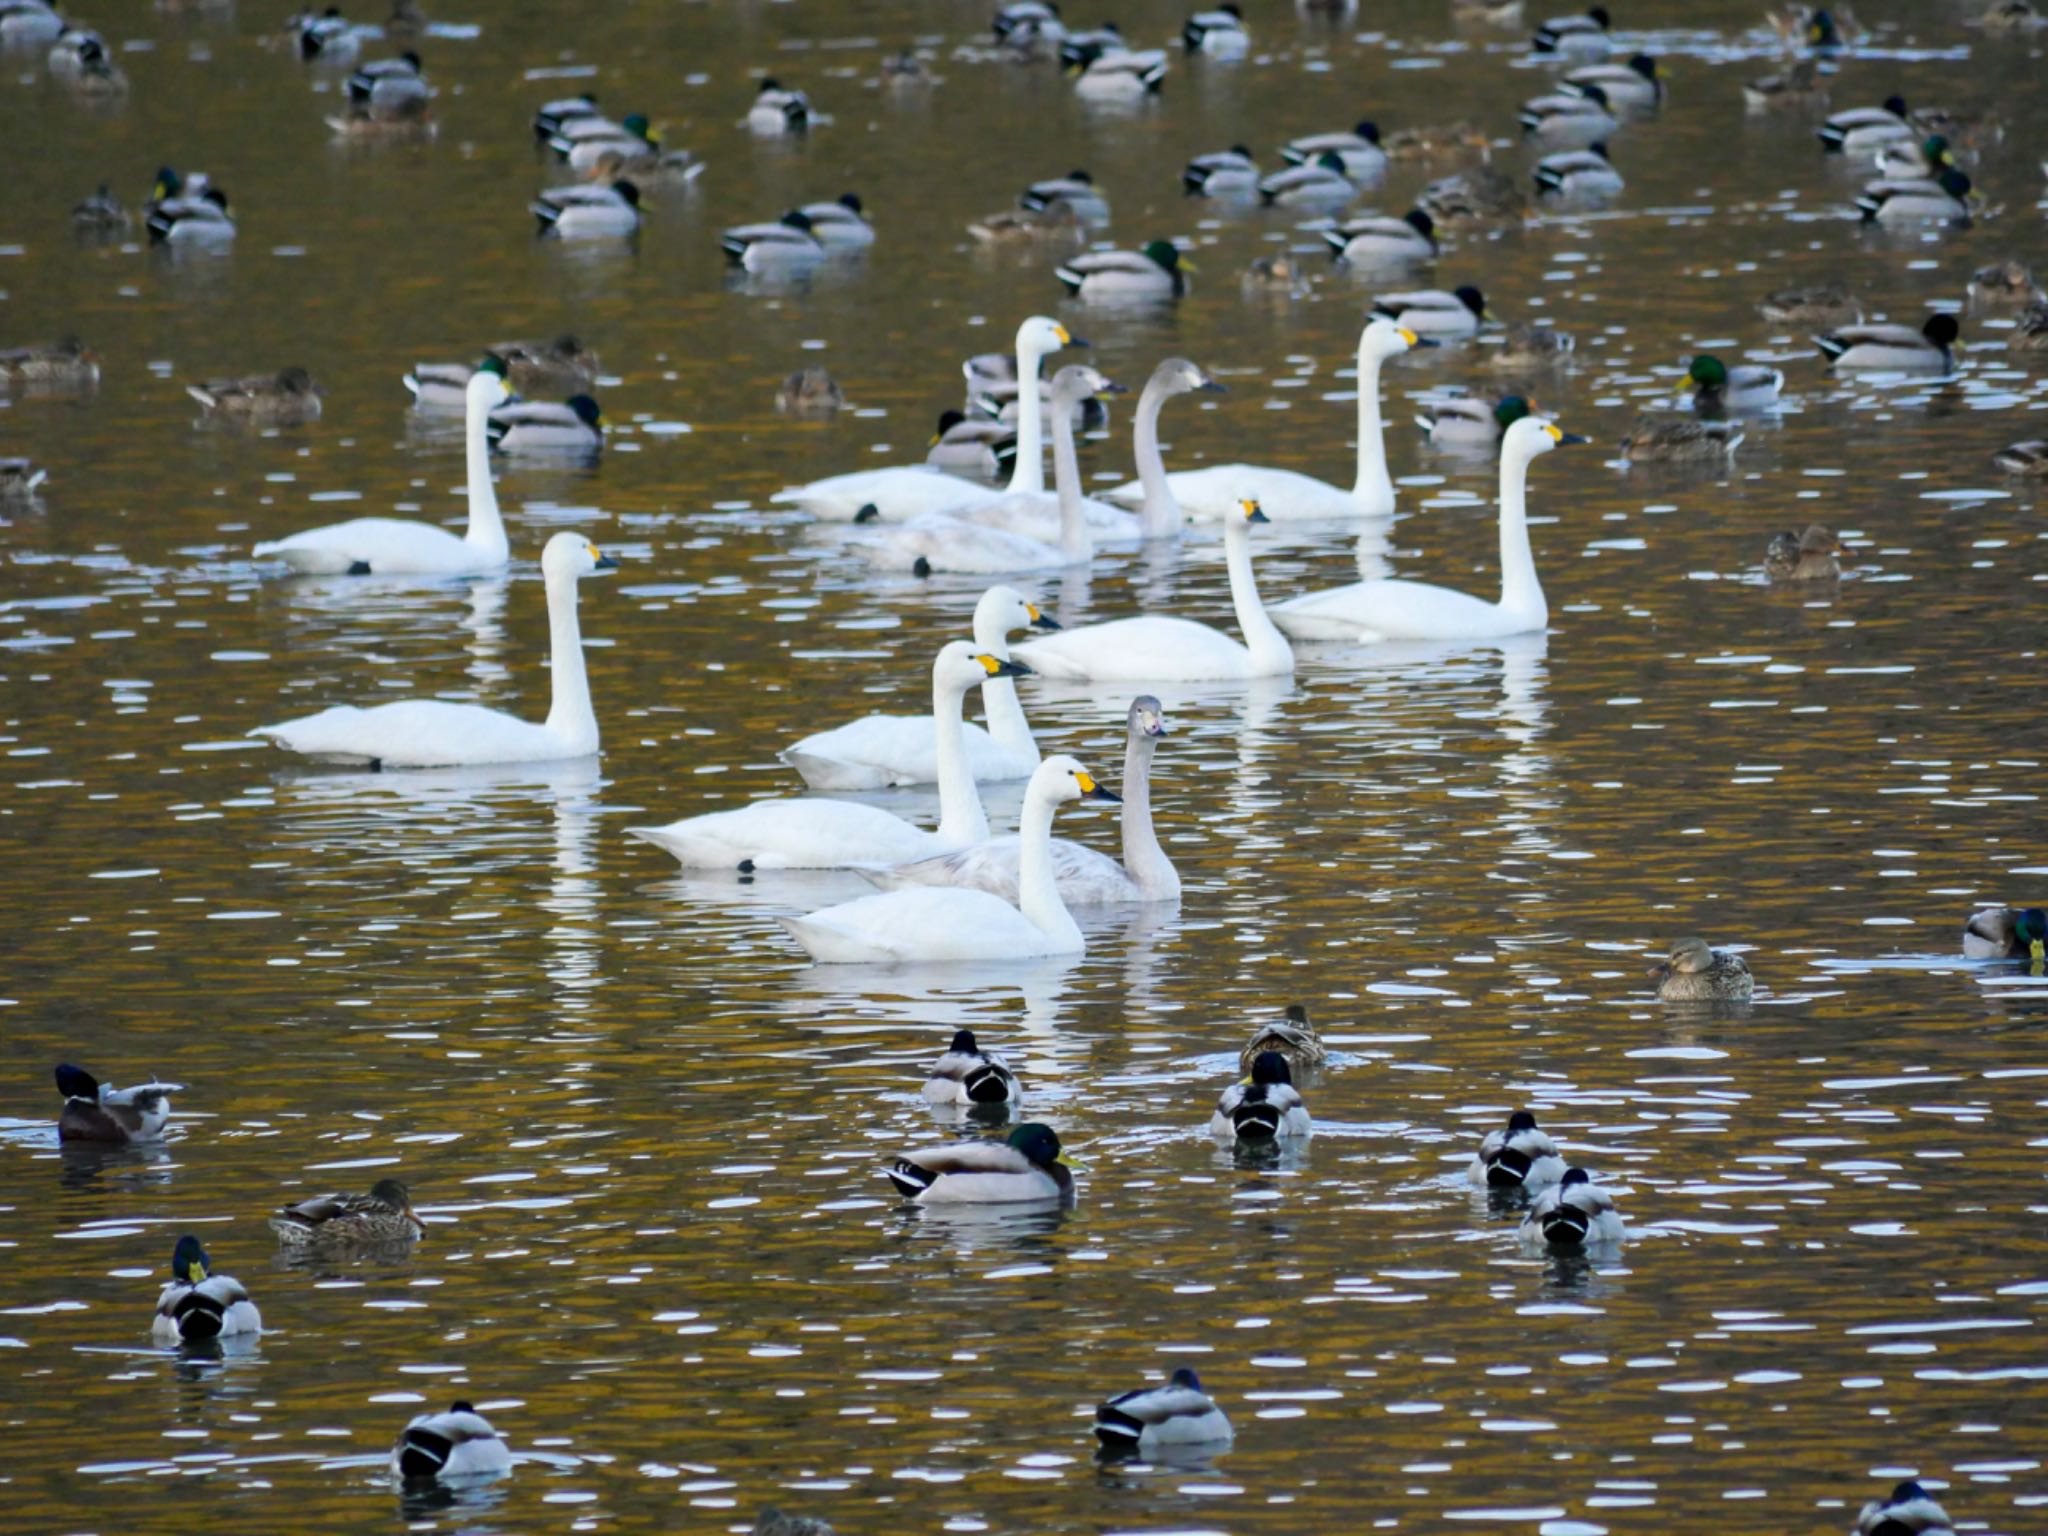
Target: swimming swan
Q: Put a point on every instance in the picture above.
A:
(1086, 878)
(905, 491)
(1418, 610)
(1285, 495)
(1160, 513)
(392, 546)
(1156, 648)
(810, 833)
(435, 733)
(877, 751)
(936, 923)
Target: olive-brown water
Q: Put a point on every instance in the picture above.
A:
(647, 1138)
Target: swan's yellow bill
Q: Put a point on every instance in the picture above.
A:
(1407, 335)
(1086, 782)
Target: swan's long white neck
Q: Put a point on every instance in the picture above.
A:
(999, 704)
(1521, 594)
(486, 532)
(1038, 893)
(1161, 513)
(1269, 648)
(570, 717)
(1076, 542)
(1144, 860)
(961, 817)
(1374, 491)
(1028, 474)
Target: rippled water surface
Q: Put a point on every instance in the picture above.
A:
(647, 1138)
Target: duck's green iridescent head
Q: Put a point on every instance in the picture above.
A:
(1037, 1142)
(2031, 926)
(1164, 253)
(1708, 372)
(1511, 409)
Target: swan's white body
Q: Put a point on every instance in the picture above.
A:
(932, 923)
(903, 492)
(1085, 878)
(434, 733)
(1282, 494)
(830, 834)
(1155, 648)
(877, 751)
(1417, 610)
(392, 546)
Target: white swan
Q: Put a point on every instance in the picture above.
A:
(434, 733)
(905, 491)
(1012, 531)
(877, 751)
(1285, 495)
(1086, 878)
(935, 923)
(1417, 610)
(1157, 648)
(1160, 513)
(393, 546)
(810, 833)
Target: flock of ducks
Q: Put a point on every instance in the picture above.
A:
(956, 891)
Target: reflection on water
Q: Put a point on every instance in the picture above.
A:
(648, 1138)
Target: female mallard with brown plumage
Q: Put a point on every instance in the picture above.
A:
(1291, 1036)
(1808, 556)
(383, 1216)
(1695, 973)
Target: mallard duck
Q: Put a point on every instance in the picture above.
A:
(2012, 16)
(1908, 1510)
(1569, 118)
(457, 1444)
(101, 216)
(1525, 348)
(1319, 184)
(28, 24)
(1221, 173)
(1027, 24)
(1427, 140)
(1718, 389)
(382, 1216)
(1361, 156)
(774, 1522)
(842, 222)
(2029, 458)
(1152, 1420)
(1379, 241)
(1909, 160)
(187, 212)
(1635, 86)
(1121, 72)
(1292, 1037)
(1076, 191)
(1584, 175)
(786, 247)
(589, 212)
(1028, 1166)
(598, 148)
(542, 427)
(2006, 933)
(389, 90)
(1585, 33)
(320, 34)
(809, 392)
(1465, 421)
(1484, 195)
(66, 363)
(1520, 1158)
(94, 1112)
(1276, 276)
(1680, 440)
(1015, 226)
(778, 111)
(81, 60)
(198, 1305)
(1814, 27)
(968, 1075)
(973, 446)
(547, 367)
(2004, 282)
(1694, 973)
(550, 117)
(286, 399)
(1817, 304)
(1931, 349)
(1264, 1107)
(1080, 49)
(19, 479)
(1572, 1214)
(1219, 33)
(1798, 89)
(2031, 335)
(1941, 199)
(1154, 271)
(1863, 130)
(1432, 312)
(1808, 556)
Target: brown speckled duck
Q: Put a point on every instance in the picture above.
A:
(285, 399)
(382, 1216)
(1808, 556)
(1695, 973)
